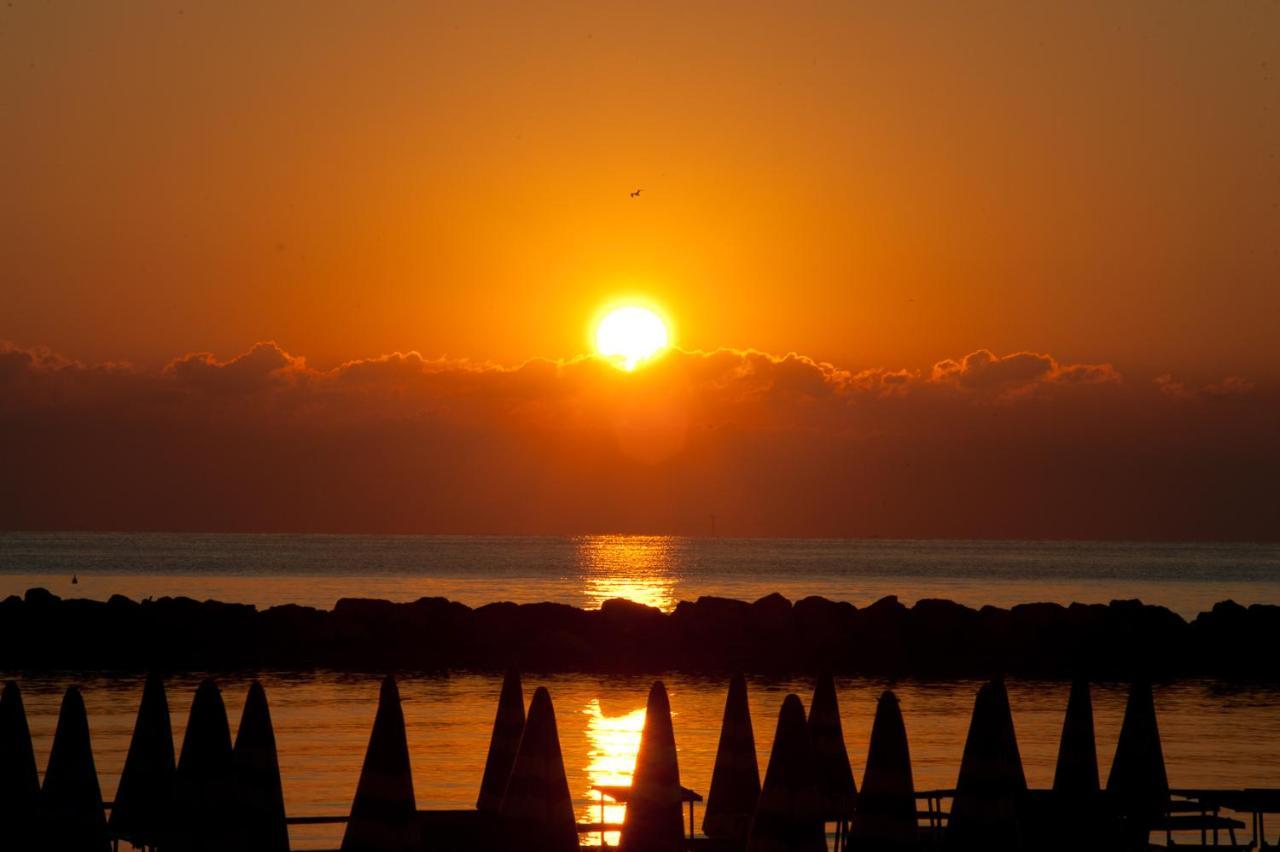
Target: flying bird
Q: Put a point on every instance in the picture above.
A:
(636, 194)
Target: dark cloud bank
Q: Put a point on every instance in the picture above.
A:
(1017, 445)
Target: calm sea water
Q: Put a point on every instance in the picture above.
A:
(1214, 735)
(658, 570)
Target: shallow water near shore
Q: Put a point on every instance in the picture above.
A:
(1215, 735)
(317, 570)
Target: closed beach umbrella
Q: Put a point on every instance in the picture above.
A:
(788, 816)
(885, 816)
(836, 788)
(144, 796)
(257, 774)
(384, 811)
(991, 787)
(735, 780)
(206, 813)
(1077, 770)
(74, 820)
(508, 726)
(19, 781)
(1075, 816)
(1138, 782)
(653, 822)
(537, 808)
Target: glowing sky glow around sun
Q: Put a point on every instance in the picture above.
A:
(631, 335)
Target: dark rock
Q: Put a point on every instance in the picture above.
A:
(1124, 639)
(41, 597)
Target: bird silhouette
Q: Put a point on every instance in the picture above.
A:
(636, 194)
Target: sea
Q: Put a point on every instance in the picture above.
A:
(317, 570)
(1215, 734)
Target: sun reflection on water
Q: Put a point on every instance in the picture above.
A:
(611, 757)
(638, 568)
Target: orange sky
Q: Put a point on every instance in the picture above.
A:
(332, 266)
(870, 184)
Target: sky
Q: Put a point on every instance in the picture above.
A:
(988, 241)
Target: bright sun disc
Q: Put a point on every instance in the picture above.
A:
(630, 335)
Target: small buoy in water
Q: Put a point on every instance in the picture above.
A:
(74, 580)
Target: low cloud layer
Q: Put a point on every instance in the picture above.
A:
(985, 444)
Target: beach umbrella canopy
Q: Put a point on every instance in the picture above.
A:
(19, 781)
(653, 822)
(1138, 780)
(788, 815)
(144, 796)
(206, 812)
(885, 815)
(735, 780)
(1077, 770)
(991, 787)
(257, 774)
(384, 811)
(537, 807)
(71, 801)
(508, 726)
(837, 790)
(1077, 815)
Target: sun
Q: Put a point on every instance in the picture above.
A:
(631, 335)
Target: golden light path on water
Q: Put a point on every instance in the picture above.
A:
(638, 568)
(612, 745)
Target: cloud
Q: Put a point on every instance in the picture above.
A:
(1229, 386)
(16, 363)
(983, 444)
(1086, 374)
(1017, 372)
(263, 366)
